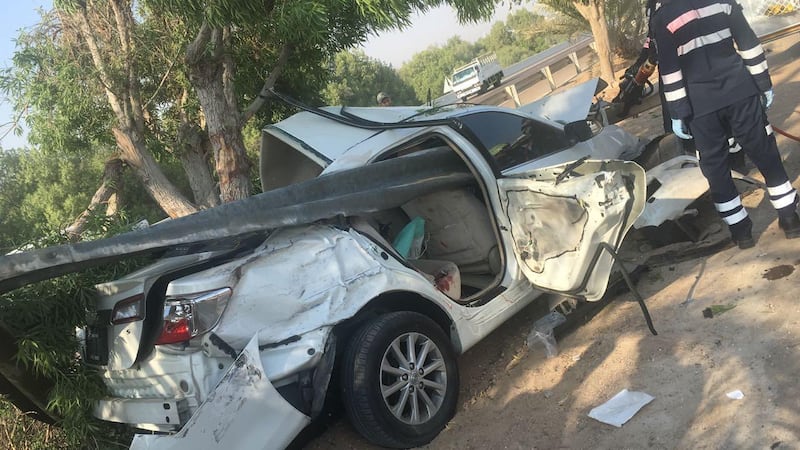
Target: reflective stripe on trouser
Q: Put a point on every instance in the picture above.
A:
(747, 122)
(732, 211)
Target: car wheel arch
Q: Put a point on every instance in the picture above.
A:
(397, 301)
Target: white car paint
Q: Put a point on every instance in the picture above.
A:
(293, 289)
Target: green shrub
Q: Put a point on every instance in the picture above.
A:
(43, 318)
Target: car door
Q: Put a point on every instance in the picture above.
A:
(561, 216)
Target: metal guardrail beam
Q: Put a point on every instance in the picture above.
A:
(540, 61)
(551, 55)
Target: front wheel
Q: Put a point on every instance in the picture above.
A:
(400, 380)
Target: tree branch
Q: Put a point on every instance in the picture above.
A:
(111, 175)
(13, 124)
(124, 21)
(161, 84)
(277, 70)
(100, 65)
(194, 52)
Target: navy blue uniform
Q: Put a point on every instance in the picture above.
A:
(716, 89)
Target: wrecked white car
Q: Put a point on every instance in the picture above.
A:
(387, 241)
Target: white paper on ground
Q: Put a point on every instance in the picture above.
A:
(620, 408)
(735, 395)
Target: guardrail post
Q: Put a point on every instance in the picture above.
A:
(511, 90)
(549, 76)
(574, 58)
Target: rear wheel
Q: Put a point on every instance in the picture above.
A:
(400, 380)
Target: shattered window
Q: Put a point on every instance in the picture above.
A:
(425, 143)
(512, 140)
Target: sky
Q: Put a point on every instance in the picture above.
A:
(433, 28)
(17, 14)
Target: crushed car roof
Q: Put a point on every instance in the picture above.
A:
(325, 138)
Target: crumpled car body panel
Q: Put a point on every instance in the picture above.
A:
(225, 420)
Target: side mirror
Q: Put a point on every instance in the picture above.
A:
(578, 131)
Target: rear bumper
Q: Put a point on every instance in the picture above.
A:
(146, 413)
(244, 411)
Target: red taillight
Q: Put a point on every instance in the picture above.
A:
(188, 316)
(175, 331)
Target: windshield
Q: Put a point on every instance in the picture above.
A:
(512, 140)
(464, 74)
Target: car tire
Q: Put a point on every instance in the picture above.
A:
(390, 400)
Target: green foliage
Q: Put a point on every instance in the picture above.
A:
(626, 20)
(426, 70)
(43, 318)
(357, 78)
(65, 108)
(627, 26)
(523, 34)
(42, 191)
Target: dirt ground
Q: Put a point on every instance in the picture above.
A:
(515, 397)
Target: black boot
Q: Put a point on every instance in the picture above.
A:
(742, 233)
(790, 224)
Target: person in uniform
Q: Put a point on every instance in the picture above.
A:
(383, 99)
(649, 56)
(714, 91)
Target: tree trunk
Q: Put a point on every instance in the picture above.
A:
(153, 179)
(111, 176)
(594, 12)
(115, 66)
(195, 164)
(193, 149)
(211, 74)
(112, 205)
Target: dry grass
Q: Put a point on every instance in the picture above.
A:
(20, 432)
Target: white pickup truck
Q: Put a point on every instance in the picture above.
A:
(477, 76)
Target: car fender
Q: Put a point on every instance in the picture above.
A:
(311, 277)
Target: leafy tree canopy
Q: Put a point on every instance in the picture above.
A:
(356, 79)
(523, 34)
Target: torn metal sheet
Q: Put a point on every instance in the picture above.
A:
(681, 183)
(349, 192)
(243, 412)
(558, 223)
(567, 106)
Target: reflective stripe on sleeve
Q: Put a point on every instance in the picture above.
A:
(752, 53)
(675, 95)
(673, 77)
(756, 69)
